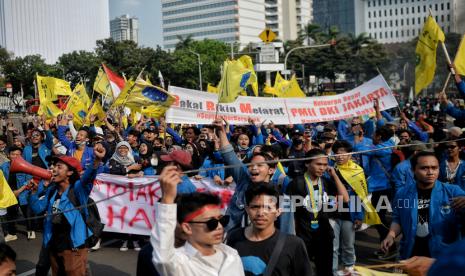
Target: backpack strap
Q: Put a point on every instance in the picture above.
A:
(275, 255)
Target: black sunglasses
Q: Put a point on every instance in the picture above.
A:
(212, 223)
(451, 147)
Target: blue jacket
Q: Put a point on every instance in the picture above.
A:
(21, 180)
(186, 186)
(459, 177)
(87, 155)
(443, 224)
(82, 188)
(45, 149)
(380, 160)
(241, 177)
(453, 111)
(365, 143)
(402, 174)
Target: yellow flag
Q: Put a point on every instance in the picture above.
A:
(78, 105)
(102, 85)
(460, 58)
(426, 53)
(7, 197)
(294, 90)
(122, 97)
(50, 88)
(212, 89)
(98, 111)
(270, 90)
(49, 109)
(370, 272)
(247, 61)
(354, 176)
(144, 94)
(235, 79)
(285, 88)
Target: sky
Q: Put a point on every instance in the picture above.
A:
(149, 14)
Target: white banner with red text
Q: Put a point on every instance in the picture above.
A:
(197, 107)
(133, 212)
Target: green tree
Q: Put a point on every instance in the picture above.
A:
(79, 66)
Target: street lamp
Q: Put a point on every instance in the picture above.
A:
(305, 47)
(200, 68)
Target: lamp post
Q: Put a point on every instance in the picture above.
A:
(305, 47)
(200, 68)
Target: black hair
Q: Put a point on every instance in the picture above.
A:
(196, 130)
(268, 157)
(87, 130)
(399, 132)
(274, 150)
(342, 144)
(6, 252)
(134, 132)
(261, 189)
(4, 139)
(385, 132)
(15, 148)
(415, 157)
(314, 153)
(188, 203)
(460, 143)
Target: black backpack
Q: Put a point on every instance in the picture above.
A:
(89, 214)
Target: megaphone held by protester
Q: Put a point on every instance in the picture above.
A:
(22, 166)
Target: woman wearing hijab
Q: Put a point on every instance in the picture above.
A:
(146, 156)
(123, 163)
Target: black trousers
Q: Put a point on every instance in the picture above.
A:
(11, 214)
(27, 213)
(381, 197)
(144, 262)
(43, 264)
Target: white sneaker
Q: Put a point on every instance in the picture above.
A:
(124, 247)
(96, 246)
(136, 245)
(33, 235)
(10, 238)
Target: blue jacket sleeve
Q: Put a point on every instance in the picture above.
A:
(342, 127)
(62, 137)
(461, 88)
(422, 136)
(175, 135)
(48, 139)
(230, 158)
(454, 112)
(369, 128)
(39, 203)
(87, 180)
(281, 139)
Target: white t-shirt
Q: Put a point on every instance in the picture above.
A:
(216, 260)
(2, 211)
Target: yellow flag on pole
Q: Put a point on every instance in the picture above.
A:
(98, 111)
(102, 85)
(460, 58)
(7, 197)
(247, 61)
(235, 79)
(212, 89)
(354, 176)
(51, 88)
(370, 272)
(427, 44)
(78, 105)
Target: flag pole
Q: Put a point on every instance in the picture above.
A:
(447, 82)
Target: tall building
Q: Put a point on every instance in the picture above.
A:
(391, 21)
(125, 28)
(52, 28)
(287, 17)
(229, 21)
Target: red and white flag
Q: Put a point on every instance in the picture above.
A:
(116, 82)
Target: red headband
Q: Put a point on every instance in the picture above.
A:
(200, 211)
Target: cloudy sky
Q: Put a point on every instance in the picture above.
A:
(149, 14)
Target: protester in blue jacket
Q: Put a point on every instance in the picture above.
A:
(402, 173)
(379, 172)
(452, 167)
(429, 215)
(40, 147)
(65, 233)
(77, 148)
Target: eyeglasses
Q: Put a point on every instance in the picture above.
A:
(451, 146)
(35, 135)
(212, 223)
(353, 125)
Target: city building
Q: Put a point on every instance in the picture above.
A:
(239, 21)
(52, 28)
(124, 28)
(287, 17)
(392, 21)
(389, 21)
(225, 20)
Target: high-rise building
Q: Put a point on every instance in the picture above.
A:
(233, 20)
(287, 17)
(52, 28)
(125, 28)
(229, 21)
(389, 21)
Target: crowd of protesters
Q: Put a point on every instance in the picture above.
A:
(394, 153)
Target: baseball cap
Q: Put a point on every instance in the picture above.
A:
(181, 157)
(68, 160)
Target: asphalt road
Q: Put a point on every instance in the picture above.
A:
(110, 261)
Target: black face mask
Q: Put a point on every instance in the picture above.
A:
(157, 148)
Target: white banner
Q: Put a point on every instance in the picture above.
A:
(133, 212)
(197, 107)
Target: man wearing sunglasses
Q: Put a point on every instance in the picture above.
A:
(265, 250)
(200, 218)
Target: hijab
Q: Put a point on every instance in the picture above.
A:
(123, 160)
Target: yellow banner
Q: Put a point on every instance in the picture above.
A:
(460, 58)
